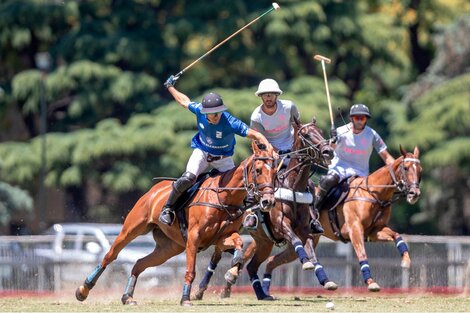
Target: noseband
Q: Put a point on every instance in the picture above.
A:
(313, 150)
(254, 188)
(403, 186)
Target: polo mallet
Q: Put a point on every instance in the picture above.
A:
(275, 6)
(323, 59)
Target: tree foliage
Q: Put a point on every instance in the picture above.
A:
(112, 125)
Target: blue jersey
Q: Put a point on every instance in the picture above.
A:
(216, 139)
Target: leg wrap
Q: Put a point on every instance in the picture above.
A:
(299, 249)
(237, 258)
(208, 275)
(90, 281)
(401, 245)
(365, 270)
(266, 283)
(256, 284)
(130, 286)
(320, 273)
(186, 293)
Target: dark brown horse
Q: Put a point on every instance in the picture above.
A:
(214, 218)
(289, 221)
(366, 212)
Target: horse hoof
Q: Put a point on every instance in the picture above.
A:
(186, 303)
(226, 293)
(131, 302)
(231, 277)
(374, 287)
(81, 293)
(268, 298)
(405, 263)
(330, 286)
(308, 266)
(199, 294)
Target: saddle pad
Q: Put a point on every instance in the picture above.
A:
(288, 195)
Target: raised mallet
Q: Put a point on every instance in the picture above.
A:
(323, 59)
(275, 6)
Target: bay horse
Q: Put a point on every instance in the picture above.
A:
(214, 217)
(289, 221)
(366, 210)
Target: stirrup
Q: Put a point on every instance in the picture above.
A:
(250, 222)
(167, 216)
(316, 227)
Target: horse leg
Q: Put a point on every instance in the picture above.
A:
(262, 252)
(215, 259)
(318, 269)
(236, 243)
(191, 252)
(166, 248)
(249, 252)
(133, 226)
(387, 234)
(356, 235)
(274, 261)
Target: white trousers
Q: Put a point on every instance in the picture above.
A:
(197, 163)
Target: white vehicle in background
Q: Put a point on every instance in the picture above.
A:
(77, 248)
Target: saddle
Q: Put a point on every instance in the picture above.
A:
(334, 198)
(186, 198)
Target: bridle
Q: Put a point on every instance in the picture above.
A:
(253, 188)
(400, 183)
(403, 185)
(310, 153)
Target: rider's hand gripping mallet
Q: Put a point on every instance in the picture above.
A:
(275, 6)
(323, 59)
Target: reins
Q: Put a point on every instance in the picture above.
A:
(252, 188)
(401, 185)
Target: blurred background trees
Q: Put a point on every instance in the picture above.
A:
(112, 127)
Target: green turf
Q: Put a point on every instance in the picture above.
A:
(241, 303)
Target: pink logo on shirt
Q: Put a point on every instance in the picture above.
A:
(354, 151)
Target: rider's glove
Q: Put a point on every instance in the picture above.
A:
(333, 135)
(171, 81)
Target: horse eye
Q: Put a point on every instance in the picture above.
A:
(258, 171)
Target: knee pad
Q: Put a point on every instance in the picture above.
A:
(328, 181)
(184, 182)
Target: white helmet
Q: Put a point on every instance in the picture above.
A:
(268, 85)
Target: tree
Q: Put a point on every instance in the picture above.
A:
(437, 107)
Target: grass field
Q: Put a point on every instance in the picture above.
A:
(245, 302)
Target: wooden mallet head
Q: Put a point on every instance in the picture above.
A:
(322, 58)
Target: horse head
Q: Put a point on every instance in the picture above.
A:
(311, 136)
(410, 175)
(262, 175)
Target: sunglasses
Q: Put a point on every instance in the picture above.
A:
(213, 114)
(359, 117)
(269, 94)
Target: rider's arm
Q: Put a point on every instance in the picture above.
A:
(255, 135)
(180, 97)
(387, 157)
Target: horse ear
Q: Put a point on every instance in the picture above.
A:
(314, 120)
(403, 151)
(416, 152)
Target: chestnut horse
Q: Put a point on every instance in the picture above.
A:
(214, 218)
(289, 221)
(366, 212)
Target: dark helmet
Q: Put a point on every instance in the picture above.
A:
(359, 109)
(212, 103)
